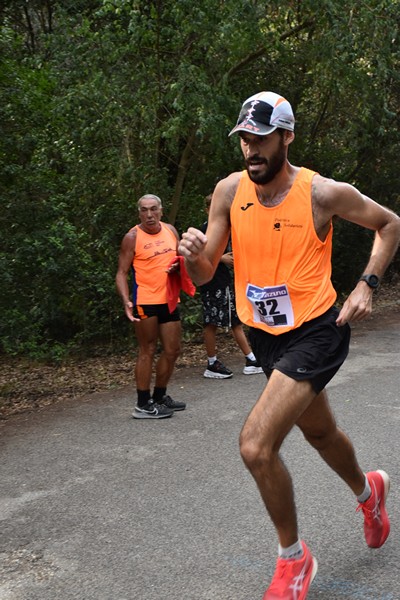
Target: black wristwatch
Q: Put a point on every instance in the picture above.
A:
(371, 280)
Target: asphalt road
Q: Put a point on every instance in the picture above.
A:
(97, 506)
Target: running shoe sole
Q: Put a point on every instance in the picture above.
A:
(212, 375)
(386, 482)
(252, 370)
(144, 415)
(314, 569)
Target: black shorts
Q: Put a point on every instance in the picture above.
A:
(219, 307)
(161, 311)
(315, 351)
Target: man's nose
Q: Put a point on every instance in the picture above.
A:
(252, 148)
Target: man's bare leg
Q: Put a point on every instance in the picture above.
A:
(241, 339)
(170, 336)
(146, 334)
(319, 428)
(209, 334)
(279, 407)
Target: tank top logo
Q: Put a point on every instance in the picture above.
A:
(151, 244)
(156, 250)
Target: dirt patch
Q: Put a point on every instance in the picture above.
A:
(27, 386)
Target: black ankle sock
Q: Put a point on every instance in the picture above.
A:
(158, 393)
(143, 396)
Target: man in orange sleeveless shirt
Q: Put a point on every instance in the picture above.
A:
(280, 220)
(147, 251)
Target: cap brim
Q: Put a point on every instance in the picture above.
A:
(256, 129)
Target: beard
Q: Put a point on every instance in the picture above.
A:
(272, 166)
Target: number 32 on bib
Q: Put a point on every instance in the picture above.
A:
(271, 305)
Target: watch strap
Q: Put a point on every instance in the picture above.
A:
(371, 280)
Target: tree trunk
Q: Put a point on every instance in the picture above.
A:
(183, 166)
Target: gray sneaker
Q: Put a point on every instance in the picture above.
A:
(173, 404)
(152, 410)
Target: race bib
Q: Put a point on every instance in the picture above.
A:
(271, 305)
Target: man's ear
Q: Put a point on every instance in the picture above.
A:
(288, 137)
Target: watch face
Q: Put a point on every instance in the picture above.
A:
(373, 281)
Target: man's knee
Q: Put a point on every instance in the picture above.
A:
(174, 353)
(171, 353)
(147, 350)
(255, 452)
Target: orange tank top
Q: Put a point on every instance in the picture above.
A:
(153, 253)
(282, 269)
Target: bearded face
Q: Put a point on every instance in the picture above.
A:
(261, 169)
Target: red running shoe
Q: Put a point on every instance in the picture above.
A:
(376, 520)
(292, 578)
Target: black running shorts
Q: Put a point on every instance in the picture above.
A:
(314, 351)
(161, 311)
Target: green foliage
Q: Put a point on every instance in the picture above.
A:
(102, 101)
(191, 315)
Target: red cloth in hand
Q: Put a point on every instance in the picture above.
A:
(178, 280)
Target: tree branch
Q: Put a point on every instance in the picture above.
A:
(254, 55)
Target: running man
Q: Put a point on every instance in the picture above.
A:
(280, 219)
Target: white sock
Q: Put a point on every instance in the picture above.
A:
(251, 356)
(366, 493)
(211, 359)
(294, 551)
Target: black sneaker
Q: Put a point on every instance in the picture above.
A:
(152, 410)
(217, 371)
(172, 404)
(251, 367)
